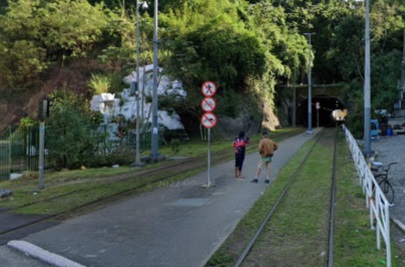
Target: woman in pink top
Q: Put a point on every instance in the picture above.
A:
(239, 145)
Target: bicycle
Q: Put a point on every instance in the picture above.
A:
(381, 176)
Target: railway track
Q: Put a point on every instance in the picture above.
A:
(278, 242)
(130, 183)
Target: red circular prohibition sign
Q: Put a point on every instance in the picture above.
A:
(209, 120)
(209, 88)
(208, 104)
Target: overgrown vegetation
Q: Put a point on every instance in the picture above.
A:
(250, 48)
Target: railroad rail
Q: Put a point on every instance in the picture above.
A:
(245, 257)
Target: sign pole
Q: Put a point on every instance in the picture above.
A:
(317, 114)
(208, 119)
(43, 113)
(209, 158)
(41, 154)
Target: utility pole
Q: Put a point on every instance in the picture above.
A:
(403, 64)
(294, 109)
(402, 81)
(155, 153)
(309, 130)
(137, 156)
(43, 113)
(41, 158)
(144, 5)
(367, 105)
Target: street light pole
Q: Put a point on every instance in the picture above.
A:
(294, 109)
(144, 5)
(402, 82)
(155, 153)
(367, 105)
(309, 130)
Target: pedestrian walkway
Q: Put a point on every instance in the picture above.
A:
(180, 225)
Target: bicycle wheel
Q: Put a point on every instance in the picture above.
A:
(380, 177)
(387, 189)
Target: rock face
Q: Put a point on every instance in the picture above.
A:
(248, 121)
(25, 104)
(270, 120)
(229, 128)
(125, 104)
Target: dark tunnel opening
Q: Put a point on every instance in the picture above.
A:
(326, 111)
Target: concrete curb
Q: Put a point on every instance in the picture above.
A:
(41, 254)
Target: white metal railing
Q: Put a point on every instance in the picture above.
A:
(375, 198)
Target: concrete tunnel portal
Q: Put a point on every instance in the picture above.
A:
(326, 111)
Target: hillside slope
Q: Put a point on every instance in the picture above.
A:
(72, 78)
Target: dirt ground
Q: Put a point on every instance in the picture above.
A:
(25, 103)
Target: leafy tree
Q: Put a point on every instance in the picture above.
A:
(347, 49)
(347, 53)
(71, 136)
(121, 47)
(384, 90)
(72, 27)
(286, 50)
(36, 34)
(247, 47)
(21, 62)
(206, 40)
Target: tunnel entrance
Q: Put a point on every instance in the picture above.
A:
(330, 110)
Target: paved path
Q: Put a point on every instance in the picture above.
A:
(392, 149)
(180, 225)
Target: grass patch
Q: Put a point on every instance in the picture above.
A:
(355, 242)
(299, 224)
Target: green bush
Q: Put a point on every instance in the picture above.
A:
(99, 83)
(71, 132)
(122, 158)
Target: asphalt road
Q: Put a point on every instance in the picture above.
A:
(392, 149)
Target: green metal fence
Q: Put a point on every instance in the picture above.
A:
(19, 147)
(18, 151)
